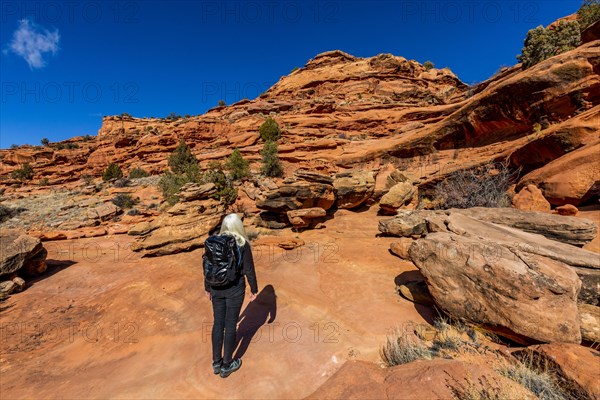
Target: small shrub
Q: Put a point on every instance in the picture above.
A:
(14, 146)
(269, 130)
(25, 173)
(485, 186)
(113, 171)
(133, 211)
(225, 190)
(125, 115)
(121, 183)
(182, 161)
(237, 165)
(588, 13)
(71, 146)
(44, 182)
(428, 65)
(271, 165)
(45, 142)
(124, 201)
(542, 43)
(221, 103)
(170, 184)
(138, 173)
(87, 138)
(294, 70)
(400, 349)
(173, 116)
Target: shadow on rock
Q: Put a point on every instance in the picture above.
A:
(53, 267)
(262, 310)
(411, 286)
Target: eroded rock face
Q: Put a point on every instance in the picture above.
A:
(571, 179)
(182, 227)
(353, 188)
(511, 293)
(298, 195)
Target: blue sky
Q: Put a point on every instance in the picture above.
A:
(65, 64)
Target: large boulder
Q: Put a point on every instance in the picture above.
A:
(575, 231)
(411, 223)
(353, 188)
(530, 198)
(527, 298)
(21, 253)
(399, 195)
(298, 195)
(583, 262)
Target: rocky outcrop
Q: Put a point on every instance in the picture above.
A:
(182, 227)
(433, 379)
(353, 188)
(20, 256)
(530, 198)
(21, 253)
(575, 231)
(571, 179)
(298, 195)
(491, 284)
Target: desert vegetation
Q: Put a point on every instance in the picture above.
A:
(112, 171)
(484, 186)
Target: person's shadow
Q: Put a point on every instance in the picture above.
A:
(258, 312)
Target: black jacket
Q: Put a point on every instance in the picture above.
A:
(247, 271)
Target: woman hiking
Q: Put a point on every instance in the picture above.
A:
(228, 295)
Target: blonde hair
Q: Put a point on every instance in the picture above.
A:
(232, 225)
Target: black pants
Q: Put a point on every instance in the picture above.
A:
(227, 304)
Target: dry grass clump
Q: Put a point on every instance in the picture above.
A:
(402, 348)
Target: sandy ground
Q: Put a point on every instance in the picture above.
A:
(105, 323)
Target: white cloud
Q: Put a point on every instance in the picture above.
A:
(31, 41)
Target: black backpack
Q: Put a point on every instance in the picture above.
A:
(222, 260)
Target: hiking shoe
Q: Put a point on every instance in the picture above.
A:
(217, 365)
(233, 366)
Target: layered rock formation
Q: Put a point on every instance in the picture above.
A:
(340, 111)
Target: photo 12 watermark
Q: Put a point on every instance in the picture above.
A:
(71, 92)
(289, 332)
(469, 12)
(54, 332)
(71, 12)
(270, 12)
